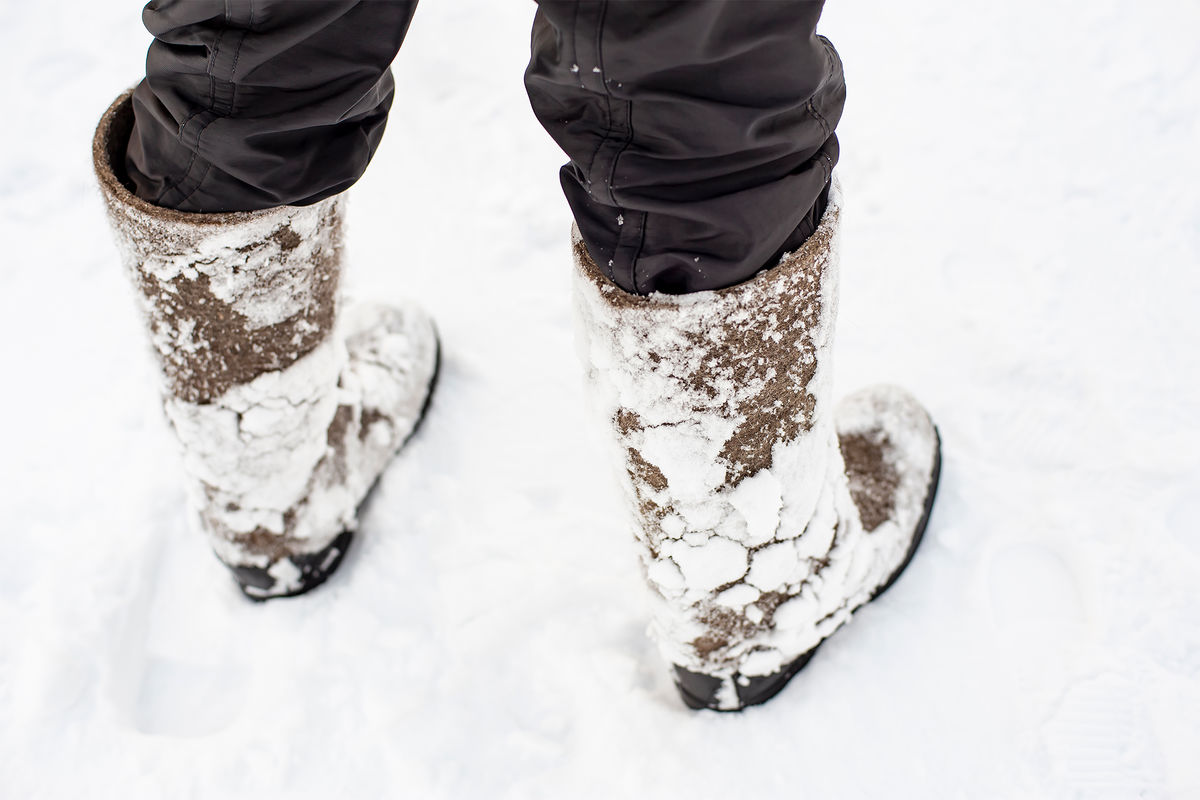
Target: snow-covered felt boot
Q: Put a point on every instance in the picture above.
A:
(287, 406)
(765, 517)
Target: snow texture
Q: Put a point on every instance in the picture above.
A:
(1019, 250)
(263, 457)
(753, 557)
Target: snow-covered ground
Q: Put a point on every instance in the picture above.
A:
(1039, 290)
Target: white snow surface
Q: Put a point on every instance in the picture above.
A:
(1020, 248)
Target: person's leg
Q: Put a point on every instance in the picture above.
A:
(701, 144)
(252, 104)
(223, 175)
(701, 134)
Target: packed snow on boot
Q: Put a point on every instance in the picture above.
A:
(759, 533)
(287, 406)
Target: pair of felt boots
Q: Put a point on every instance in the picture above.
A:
(764, 516)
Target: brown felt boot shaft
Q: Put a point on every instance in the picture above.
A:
(227, 296)
(768, 340)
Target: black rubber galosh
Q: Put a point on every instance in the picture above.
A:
(700, 691)
(315, 569)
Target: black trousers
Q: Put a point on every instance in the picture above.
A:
(700, 133)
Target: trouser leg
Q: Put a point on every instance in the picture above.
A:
(700, 134)
(250, 104)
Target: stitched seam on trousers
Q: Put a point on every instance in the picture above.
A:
(599, 143)
(207, 163)
(612, 167)
(637, 284)
(170, 185)
(173, 185)
(212, 101)
(226, 80)
(237, 54)
(608, 115)
(826, 128)
(574, 35)
(812, 110)
(196, 188)
(182, 180)
(612, 172)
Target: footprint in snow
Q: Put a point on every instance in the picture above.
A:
(174, 671)
(1099, 742)
(1031, 586)
(180, 699)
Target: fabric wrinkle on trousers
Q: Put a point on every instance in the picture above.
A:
(700, 134)
(252, 104)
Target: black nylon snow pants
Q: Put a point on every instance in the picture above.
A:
(700, 132)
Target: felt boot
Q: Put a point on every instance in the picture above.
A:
(287, 406)
(765, 516)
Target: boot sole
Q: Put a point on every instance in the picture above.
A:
(699, 691)
(316, 567)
